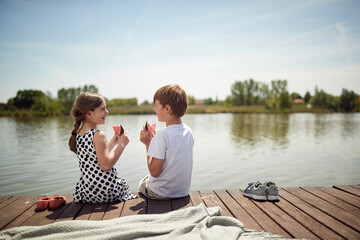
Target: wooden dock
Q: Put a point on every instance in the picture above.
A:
(302, 212)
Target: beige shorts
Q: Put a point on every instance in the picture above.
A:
(143, 188)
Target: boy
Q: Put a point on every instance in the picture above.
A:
(169, 151)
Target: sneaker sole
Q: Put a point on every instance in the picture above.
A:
(255, 197)
(273, 198)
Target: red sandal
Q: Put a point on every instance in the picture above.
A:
(56, 201)
(43, 203)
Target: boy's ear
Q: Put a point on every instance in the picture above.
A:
(168, 109)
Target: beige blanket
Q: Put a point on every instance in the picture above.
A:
(192, 223)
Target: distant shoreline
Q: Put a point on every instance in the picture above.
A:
(192, 109)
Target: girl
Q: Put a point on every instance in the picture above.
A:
(99, 181)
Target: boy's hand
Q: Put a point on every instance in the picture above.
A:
(146, 136)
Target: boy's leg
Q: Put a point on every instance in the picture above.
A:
(143, 185)
(143, 188)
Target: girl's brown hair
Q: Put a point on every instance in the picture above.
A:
(174, 96)
(84, 103)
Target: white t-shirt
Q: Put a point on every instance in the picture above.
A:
(174, 144)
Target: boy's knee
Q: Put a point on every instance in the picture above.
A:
(143, 184)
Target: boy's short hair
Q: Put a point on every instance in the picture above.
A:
(174, 96)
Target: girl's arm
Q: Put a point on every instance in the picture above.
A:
(112, 143)
(107, 160)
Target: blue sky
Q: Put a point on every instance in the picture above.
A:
(131, 48)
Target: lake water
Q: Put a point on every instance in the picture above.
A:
(230, 151)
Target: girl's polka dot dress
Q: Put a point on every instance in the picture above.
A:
(95, 185)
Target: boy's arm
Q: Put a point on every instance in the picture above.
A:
(155, 165)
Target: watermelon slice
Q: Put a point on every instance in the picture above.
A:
(150, 127)
(118, 129)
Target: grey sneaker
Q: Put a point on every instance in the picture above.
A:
(272, 191)
(256, 191)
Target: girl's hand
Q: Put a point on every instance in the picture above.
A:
(113, 142)
(114, 139)
(123, 140)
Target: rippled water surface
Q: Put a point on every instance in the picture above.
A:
(230, 151)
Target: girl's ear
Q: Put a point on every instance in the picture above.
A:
(88, 114)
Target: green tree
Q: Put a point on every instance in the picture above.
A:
(349, 101)
(26, 98)
(47, 106)
(209, 101)
(323, 100)
(280, 96)
(250, 91)
(145, 103)
(307, 97)
(67, 96)
(295, 95)
(191, 100)
(264, 93)
(238, 93)
(122, 102)
(285, 100)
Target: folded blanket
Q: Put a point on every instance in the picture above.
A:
(191, 223)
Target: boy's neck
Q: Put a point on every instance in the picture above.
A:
(173, 120)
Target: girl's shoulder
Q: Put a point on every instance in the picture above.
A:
(99, 135)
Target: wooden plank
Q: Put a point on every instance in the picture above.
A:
(158, 206)
(22, 218)
(349, 189)
(333, 200)
(8, 201)
(70, 212)
(237, 210)
(85, 211)
(181, 203)
(135, 206)
(356, 186)
(334, 211)
(310, 223)
(345, 196)
(195, 198)
(257, 214)
(320, 216)
(113, 210)
(212, 200)
(98, 211)
(45, 217)
(15, 209)
(295, 229)
(4, 198)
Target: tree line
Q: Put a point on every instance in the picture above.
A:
(273, 96)
(44, 104)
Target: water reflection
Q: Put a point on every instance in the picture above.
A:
(254, 129)
(322, 126)
(350, 125)
(229, 151)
